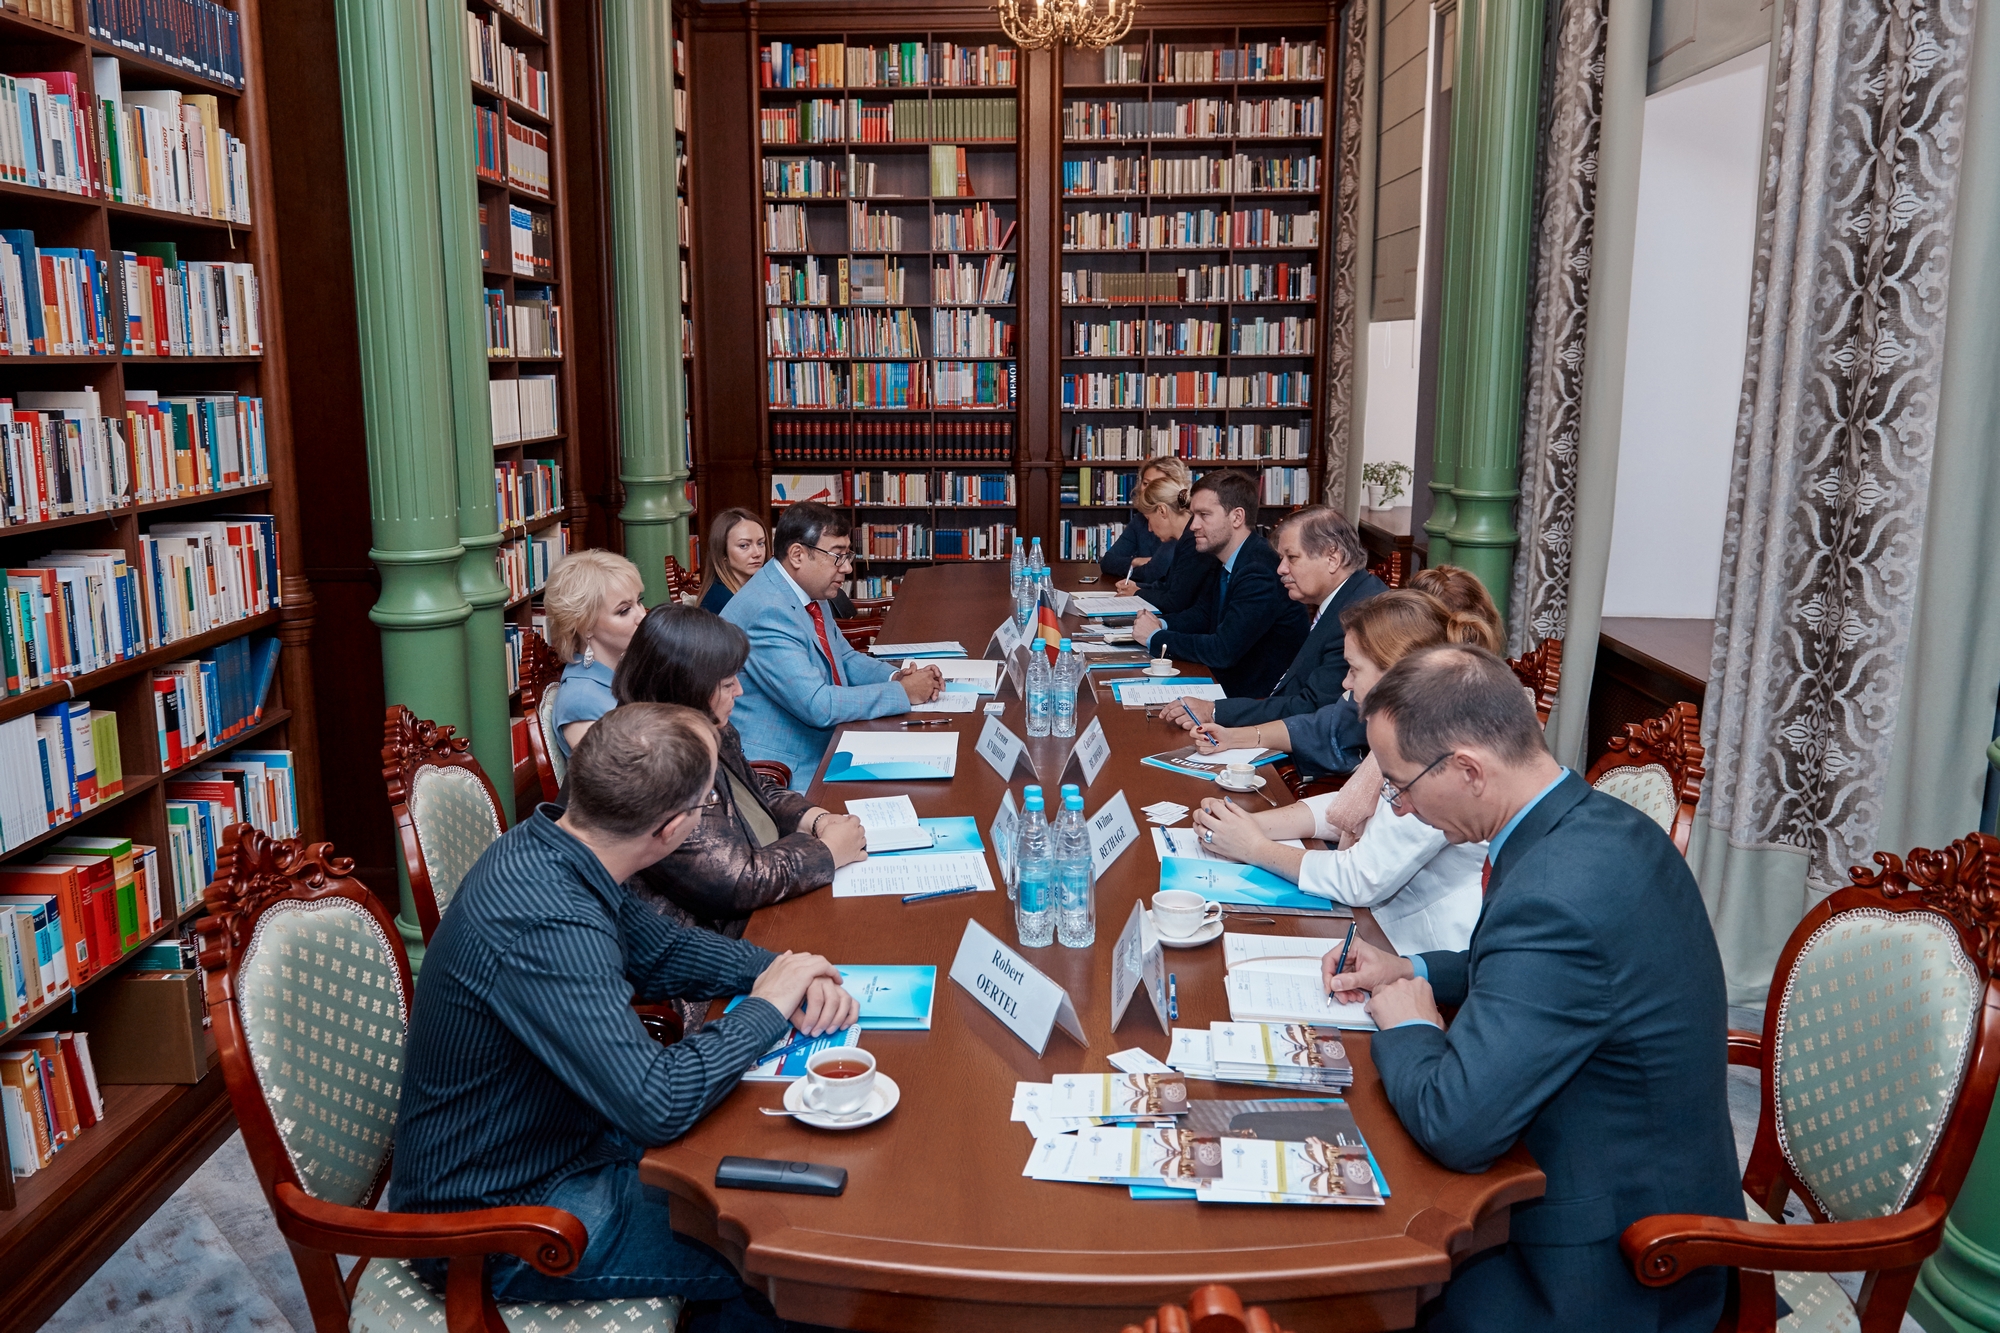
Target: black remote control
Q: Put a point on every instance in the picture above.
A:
(757, 1173)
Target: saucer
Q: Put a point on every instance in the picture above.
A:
(1203, 936)
(882, 1099)
(1255, 783)
(1171, 670)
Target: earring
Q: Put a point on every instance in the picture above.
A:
(589, 653)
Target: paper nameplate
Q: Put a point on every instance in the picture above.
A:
(1014, 674)
(1006, 823)
(1112, 830)
(1088, 755)
(1136, 961)
(1007, 638)
(1060, 600)
(1001, 748)
(1013, 989)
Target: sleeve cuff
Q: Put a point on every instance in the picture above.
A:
(1416, 1023)
(1423, 969)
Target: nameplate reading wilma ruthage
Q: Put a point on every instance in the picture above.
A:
(1013, 990)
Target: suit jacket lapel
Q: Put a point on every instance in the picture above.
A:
(1532, 829)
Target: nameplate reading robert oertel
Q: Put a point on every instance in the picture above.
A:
(1013, 989)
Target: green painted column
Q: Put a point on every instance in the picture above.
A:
(392, 184)
(471, 404)
(1504, 47)
(646, 282)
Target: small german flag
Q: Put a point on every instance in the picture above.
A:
(1048, 622)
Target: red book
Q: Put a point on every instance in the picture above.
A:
(97, 885)
(84, 957)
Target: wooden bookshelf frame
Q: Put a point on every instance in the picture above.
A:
(59, 1224)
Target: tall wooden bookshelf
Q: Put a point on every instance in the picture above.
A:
(58, 1224)
(516, 96)
(889, 187)
(1196, 180)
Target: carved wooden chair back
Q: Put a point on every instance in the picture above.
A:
(1541, 671)
(772, 769)
(445, 807)
(682, 584)
(541, 676)
(1880, 1051)
(1214, 1308)
(1656, 767)
(308, 989)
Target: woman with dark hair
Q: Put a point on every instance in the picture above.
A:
(758, 843)
(736, 550)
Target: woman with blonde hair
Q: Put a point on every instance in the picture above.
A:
(736, 550)
(594, 601)
(1424, 891)
(1138, 554)
(1166, 505)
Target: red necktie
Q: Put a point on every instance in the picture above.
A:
(1485, 873)
(825, 646)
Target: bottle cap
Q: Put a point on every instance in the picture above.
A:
(1065, 646)
(1071, 789)
(1033, 799)
(1073, 800)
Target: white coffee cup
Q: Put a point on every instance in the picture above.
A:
(1179, 913)
(1239, 775)
(837, 1094)
(1160, 666)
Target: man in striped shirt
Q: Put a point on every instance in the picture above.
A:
(530, 1080)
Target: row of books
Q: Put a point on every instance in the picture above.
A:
(794, 385)
(850, 177)
(1282, 281)
(1098, 487)
(525, 561)
(200, 37)
(1195, 118)
(527, 489)
(203, 702)
(62, 762)
(54, 464)
(73, 913)
(530, 238)
(538, 622)
(530, 12)
(1251, 62)
(60, 301)
(57, 13)
(945, 490)
(980, 227)
(1134, 444)
(48, 1090)
(195, 577)
(1242, 173)
(1191, 229)
(863, 280)
(62, 456)
(892, 441)
(1285, 486)
(528, 325)
(507, 152)
(1186, 388)
(872, 586)
(1085, 541)
(841, 333)
(524, 408)
(1193, 336)
(895, 65)
(912, 119)
(503, 68)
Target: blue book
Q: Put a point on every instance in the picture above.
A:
(1229, 882)
(895, 997)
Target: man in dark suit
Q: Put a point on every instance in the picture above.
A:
(1591, 1013)
(1242, 626)
(1321, 565)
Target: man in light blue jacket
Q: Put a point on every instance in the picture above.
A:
(803, 679)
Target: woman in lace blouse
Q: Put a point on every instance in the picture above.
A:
(758, 843)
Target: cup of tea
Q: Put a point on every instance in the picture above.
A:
(1239, 775)
(1179, 913)
(839, 1079)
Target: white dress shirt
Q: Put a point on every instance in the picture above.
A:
(1423, 891)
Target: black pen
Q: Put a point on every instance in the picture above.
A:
(929, 894)
(928, 722)
(1346, 944)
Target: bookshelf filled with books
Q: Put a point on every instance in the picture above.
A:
(154, 683)
(1195, 206)
(523, 238)
(889, 187)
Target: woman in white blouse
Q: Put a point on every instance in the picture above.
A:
(1424, 892)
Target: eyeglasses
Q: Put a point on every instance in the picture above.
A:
(1395, 795)
(841, 559)
(713, 798)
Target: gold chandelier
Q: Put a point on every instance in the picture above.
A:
(1094, 24)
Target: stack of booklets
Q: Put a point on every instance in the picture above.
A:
(1276, 1152)
(1294, 1054)
(894, 997)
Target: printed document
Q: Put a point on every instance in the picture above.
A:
(914, 872)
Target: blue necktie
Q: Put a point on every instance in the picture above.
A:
(1222, 593)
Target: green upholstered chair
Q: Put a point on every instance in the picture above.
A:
(541, 676)
(1880, 1050)
(1656, 767)
(445, 808)
(309, 992)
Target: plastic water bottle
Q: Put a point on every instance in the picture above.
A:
(1062, 687)
(1041, 690)
(1036, 565)
(1024, 601)
(1034, 904)
(1017, 566)
(1076, 878)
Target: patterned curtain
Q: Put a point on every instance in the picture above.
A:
(1342, 339)
(1565, 222)
(1824, 535)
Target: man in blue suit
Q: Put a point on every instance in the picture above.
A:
(1591, 1013)
(803, 678)
(1243, 625)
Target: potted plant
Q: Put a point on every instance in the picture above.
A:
(1385, 483)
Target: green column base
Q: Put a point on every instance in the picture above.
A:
(486, 664)
(1444, 510)
(655, 520)
(1482, 534)
(1958, 1290)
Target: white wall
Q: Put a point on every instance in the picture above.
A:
(1389, 430)
(1684, 361)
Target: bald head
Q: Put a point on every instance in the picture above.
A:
(1458, 697)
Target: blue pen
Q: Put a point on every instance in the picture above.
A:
(1347, 944)
(1197, 723)
(929, 894)
(1173, 999)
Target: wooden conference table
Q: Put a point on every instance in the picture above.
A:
(938, 1230)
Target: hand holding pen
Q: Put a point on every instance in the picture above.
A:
(1197, 728)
